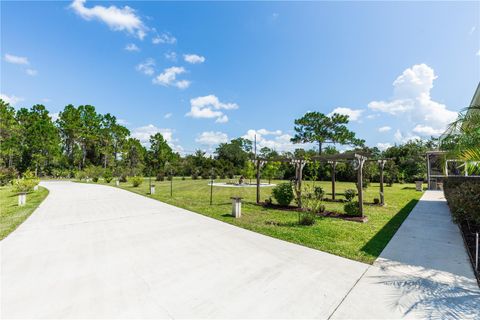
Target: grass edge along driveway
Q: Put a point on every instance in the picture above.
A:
(12, 215)
(352, 240)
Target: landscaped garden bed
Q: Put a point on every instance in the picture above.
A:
(357, 241)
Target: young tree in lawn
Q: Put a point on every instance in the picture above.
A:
(315, 127)
(271, 169)
(249, 171)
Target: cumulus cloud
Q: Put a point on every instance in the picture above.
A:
(384, 129)
(147, 67)
(132, 47)
(210, 107)
(211, 138)
(12, 100)
(143, 134)
(31, 72)
(167, 115)
(405, 137)
(169, 78)
(276, 139)
(412, 101)
(353, 114)
(117, 19)
(193, 58)
(10, 58)
(164, 38)
(427, 131)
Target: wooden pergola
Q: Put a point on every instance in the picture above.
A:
(357, 160)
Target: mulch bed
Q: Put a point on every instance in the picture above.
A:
(326, 214)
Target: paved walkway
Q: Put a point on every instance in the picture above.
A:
(423, 273)
(91, 251)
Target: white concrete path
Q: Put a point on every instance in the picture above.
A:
(91, 251)
(423, 273)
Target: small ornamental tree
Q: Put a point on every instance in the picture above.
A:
(270, 170)
(249, 171)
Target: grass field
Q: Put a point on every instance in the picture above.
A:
(11, 215)
(357, 241)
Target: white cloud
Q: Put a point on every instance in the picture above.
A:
(143, 134)
(132, 47)
(427, 131)
(472, 30)
(10, 58)
(353, 114)
(169, 78)
(171, 55)
(384, 129)
(405, 137)
(146, 67)
(31, 72)
(478, 53)
(54, 116)
(193, 58)
(167, 115)
(211, 138)
(383, 146)
(123, 122)
(278, 140)
(209, 107)
(12, 100)
(412, 101)
(118, 19)
(165, 38)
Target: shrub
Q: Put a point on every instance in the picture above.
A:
(7, 175)
(463, 200)
(349, 194)
(24, 185)
(223, 176)
(80, 175)
(169, 178)
(123, 178)
(319, 193)
(108, 176)
(194, 176)
(365, 184)
(351, 208)
(205, 175)
(183, 178)
(231, 175)
(95, 179)
(376, 201)
(137, 181)
(283, 193)
(321, 208)
(306, 218)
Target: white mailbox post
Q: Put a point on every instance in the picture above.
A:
(117, 183)
(236, 207)
(152, 189)
(419, 185)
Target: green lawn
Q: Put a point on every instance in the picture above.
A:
(11, 215)
(357, 241)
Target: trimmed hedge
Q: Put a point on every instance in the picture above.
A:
(463, 197)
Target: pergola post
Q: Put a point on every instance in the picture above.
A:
(334, 165)
(382, 166)
(361, 161)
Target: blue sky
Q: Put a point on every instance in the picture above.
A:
(202, 73)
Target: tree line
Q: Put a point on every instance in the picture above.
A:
(82, 140)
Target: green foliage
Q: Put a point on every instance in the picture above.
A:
(24, 185)
(315, 127)
(307, 218)
(123, 178)
(270, 170)
(319, 192)
(283, 193)
(349, 194)
(236, 152)
(94, 172)
(249, 170)
(462, 194)
(7, 175)
(108, 176)
(352, 208)
(160, 176)
(376, 201)
(310, 199)
(136, 181)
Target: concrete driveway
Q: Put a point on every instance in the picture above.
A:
(91, 251)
